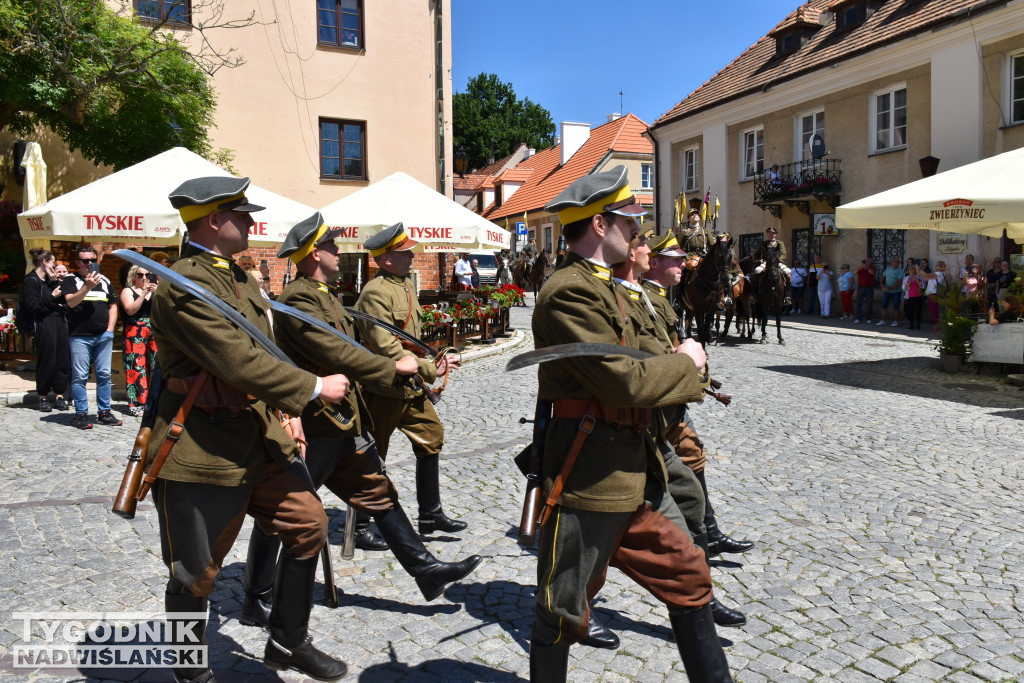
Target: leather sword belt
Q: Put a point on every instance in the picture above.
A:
(215, 394)
(637, 419)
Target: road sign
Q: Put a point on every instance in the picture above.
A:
(520, 228)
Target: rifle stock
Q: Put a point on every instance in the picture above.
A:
(531, 505)
(128, 494)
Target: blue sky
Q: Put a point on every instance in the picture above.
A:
(573, 58)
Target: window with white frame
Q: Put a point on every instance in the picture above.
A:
(646, 176)
(751, 153)
(889, 119)
(810, 124)
(1017, 88)
(691, 174)
(547, 237)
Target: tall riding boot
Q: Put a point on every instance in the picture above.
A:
(718, 542)
(260, 566)
(701, 651)
(599, 635)
(724, 616)
(178, 602)
(549, 663)
(430, 573)
(290, 645)
(428, 493)
(367, 537)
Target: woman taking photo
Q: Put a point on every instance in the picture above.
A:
(1013, 310)
(139, 346)
(913, 294)
(46, 309)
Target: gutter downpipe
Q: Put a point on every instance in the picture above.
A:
(657, 174)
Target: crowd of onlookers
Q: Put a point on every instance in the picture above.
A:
(907, 290)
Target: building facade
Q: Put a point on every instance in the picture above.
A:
(841, 100)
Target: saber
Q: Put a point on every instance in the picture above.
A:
(235, 317)
(574, 350)
(398, 331)
(316, 322)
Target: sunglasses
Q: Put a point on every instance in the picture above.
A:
(142, 275)
(88, 260)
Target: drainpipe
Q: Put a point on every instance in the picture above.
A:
(439, 82)
(657, 181)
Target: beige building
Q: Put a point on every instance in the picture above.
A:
(333, 95)
(884, 85)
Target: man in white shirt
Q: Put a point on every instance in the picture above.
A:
(464, 272)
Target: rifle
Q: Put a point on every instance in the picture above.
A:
(531, 505)
(128, 494)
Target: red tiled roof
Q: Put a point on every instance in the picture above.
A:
(548, 177)
(515, 175)
(497, 166)
(803, 15)
(758, 67)
(470, 181)
(645, 199)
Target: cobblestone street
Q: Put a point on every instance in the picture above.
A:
(884, 498)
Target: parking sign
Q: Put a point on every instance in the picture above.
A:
(520, 228)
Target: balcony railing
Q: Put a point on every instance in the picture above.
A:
(797, 183)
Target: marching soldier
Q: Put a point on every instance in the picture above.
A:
(608, 509)
(771, 243)
(390, 297)
(232, 456)
(345, 460)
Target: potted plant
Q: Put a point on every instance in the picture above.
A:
(956, 339)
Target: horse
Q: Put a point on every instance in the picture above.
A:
(504, 270)
(538, 273)
(737, 306)
(705, 287)
(770, 290)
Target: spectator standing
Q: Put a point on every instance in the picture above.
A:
(464, 272)
(91, 320)
(798, 281)
(935, 287)
(824, 278)
(812, 286)
(847, 283)
(892, 291)
(866, 274)
(990, 282)
(913, 292)
(247, 264)
(972, 290)
(139, 345)
(474, 276)
(44, 305)
(1004, 279)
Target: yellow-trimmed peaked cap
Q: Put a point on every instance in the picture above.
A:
(665, 245)
(389, 239)
(596, 193)
(199, 197)
(306, 236)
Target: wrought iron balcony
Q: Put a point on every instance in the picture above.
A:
(796, 184)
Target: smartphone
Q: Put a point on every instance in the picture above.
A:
(94, 268)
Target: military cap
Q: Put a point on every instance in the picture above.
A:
(200, 197)
(665, 245)
(389, 239)
(772, 228)
(596, 193)
(305, 236)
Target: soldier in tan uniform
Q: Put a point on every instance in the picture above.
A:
(233, 456)
(390, 296)
(345, 460)
(613, 507)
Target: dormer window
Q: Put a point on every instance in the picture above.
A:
(792, 41)
(851, 13)
(796, 31)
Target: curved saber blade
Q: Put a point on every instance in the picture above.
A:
(316, 322)
(419, 343)
(203, 295)
(575, 350)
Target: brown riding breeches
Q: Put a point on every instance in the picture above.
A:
(415, 417)
(352, 471)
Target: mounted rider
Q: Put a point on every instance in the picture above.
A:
(771, 244)
(695, 239)
(529, 255)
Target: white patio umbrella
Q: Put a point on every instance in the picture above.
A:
(983, 198)
(430, 218)
(131, 206)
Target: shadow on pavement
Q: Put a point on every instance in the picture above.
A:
(434, 670)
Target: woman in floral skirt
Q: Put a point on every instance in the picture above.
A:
(139, 346)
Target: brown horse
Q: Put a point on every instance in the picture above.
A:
(737, 306)
(705, 288)
(538, 273)
(769, 287)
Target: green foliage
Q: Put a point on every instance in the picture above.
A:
(490, 113)
(110, 87)
(956, 330)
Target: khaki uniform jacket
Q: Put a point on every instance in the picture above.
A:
(658, 296)
(324, 354)
(221, 446)
(579, 304)
(389, 298)
(762, 251)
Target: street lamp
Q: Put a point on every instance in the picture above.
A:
(461, 161)
(929, 166)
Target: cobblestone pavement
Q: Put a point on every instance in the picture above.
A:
(884, 498)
